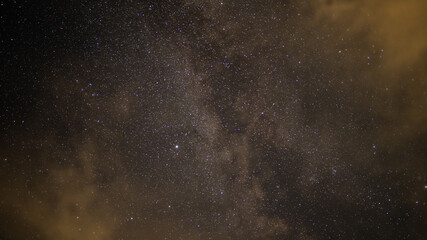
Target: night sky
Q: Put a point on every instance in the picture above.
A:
(206, 119)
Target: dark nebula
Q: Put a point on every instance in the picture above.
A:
(200, 119)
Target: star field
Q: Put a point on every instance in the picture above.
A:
(213, 120)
